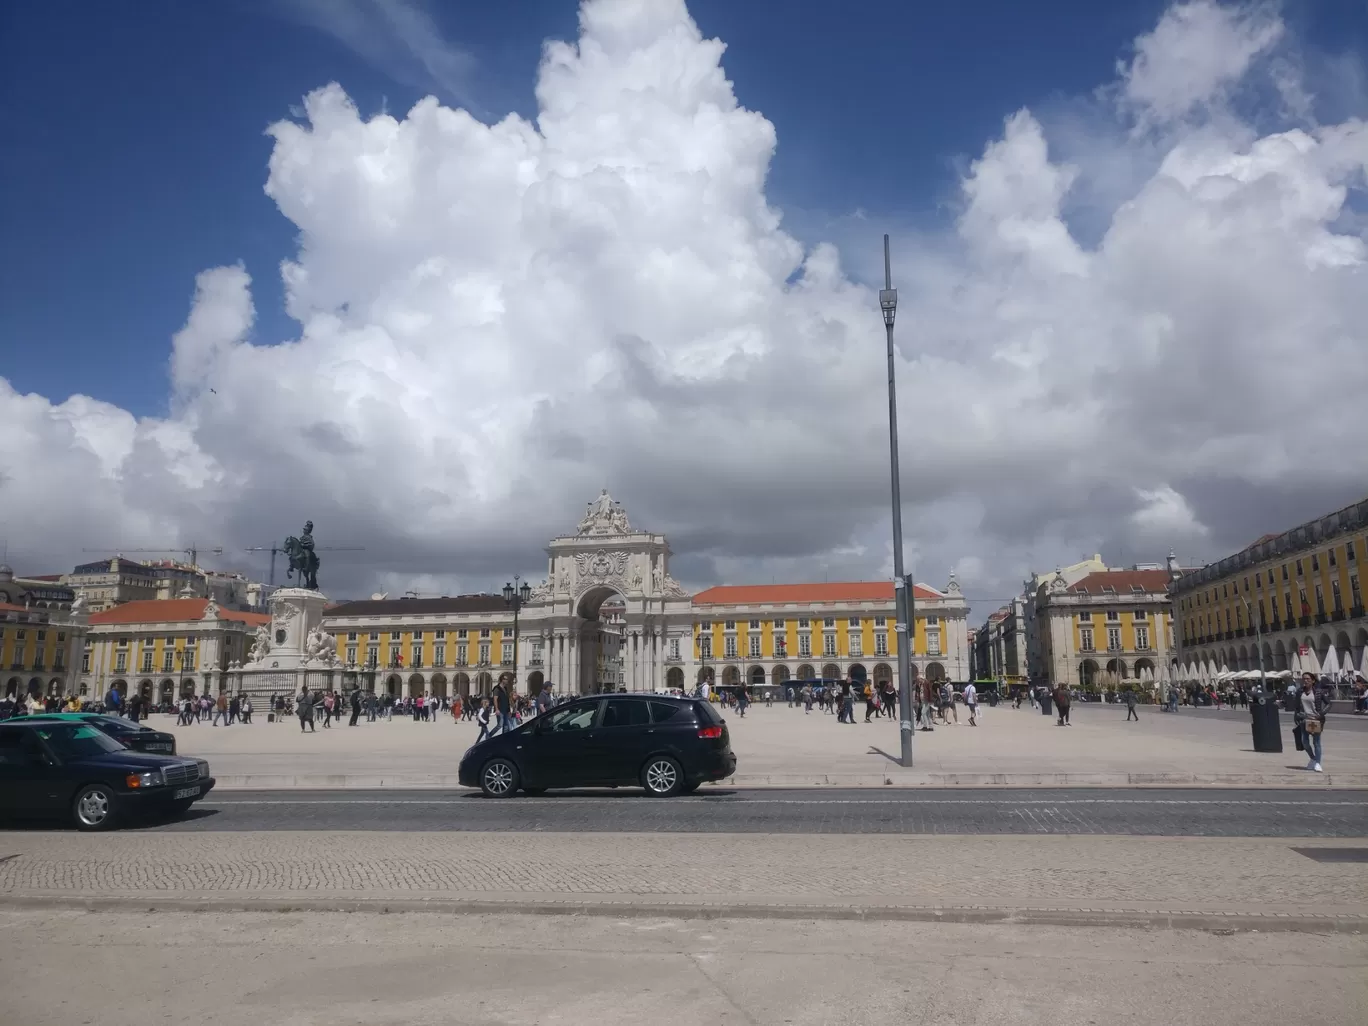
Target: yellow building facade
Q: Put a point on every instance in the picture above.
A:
(1110, 629)
(1295, 599)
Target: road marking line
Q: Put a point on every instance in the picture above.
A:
(571, 799)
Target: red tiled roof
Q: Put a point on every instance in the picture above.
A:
(9, 607)
(1122, 582)
(43, 577)
(182, 610)
(777, 594)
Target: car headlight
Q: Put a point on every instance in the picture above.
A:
(203, 769)
(137, 781)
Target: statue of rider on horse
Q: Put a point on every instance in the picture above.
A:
(303, 558)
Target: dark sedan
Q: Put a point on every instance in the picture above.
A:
(667, 745)
(70, 769)
(138, 738)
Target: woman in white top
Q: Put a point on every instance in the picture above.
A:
(1310, 719)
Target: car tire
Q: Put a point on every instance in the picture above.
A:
(499, 779)
(662, 776)
(94, 807)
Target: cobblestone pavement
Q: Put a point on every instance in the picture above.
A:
(1212, 813)
(1254, 876)
(331, 969)
(782, 746)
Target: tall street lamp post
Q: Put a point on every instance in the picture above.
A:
(1258, 641)
(888, 303)
(515, 597)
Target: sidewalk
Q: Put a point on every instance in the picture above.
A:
(783, 747)
(1201, 883)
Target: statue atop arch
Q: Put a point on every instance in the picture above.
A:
(605, 516)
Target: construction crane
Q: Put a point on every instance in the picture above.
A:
(274, 549)
(193, 552)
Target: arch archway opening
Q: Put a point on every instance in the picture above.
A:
(858, 674)
(437, 686)
(883, 674)
(831, 672)
(756, 676)
(780, 675)
(607, 640)
(806, 672)
(392, 685)
(536, 680)
(935, 672)
(463, 685)
(674, 678)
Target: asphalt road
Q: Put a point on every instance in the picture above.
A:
(1156, 813)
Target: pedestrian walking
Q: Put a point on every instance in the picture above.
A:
(1309, 721)
(482, 716)
(355, 707)
(971, 703)
(304, 709)
(1130, 706)
(1061, 699)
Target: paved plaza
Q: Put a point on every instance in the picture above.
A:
(326, 969)
(784, 747)
(1261, 883)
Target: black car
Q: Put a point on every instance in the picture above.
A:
(138, 738)
(66, 768)
(667, 745)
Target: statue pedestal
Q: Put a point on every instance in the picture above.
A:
(295, 612)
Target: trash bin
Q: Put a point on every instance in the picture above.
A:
(1046, 703)
(1264, 721)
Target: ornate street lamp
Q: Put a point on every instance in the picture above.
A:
(515, 596)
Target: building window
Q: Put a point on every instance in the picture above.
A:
(508, 653)
(755, 646)
(372, 656)
(1320, 600)
(462, 633)
(933, 643)
(730, 647)
(755, 625)
(484, 632)
(351, 652)
(418, 637)
(439, 653)
(1287, 604)
(392, 657)
(705, 647)
(1284, 571)
(416, 656)
(374, 635)
(147, 661)
(804, 624)
(394, 635)
(1142, 638)
(120, 662)
(1113, 616)
(167, 658)
(1315, 563)
(730, 625)
(1085, 617)
(1331, 554)
(880, 621)
(933, 621)
(351, 635)
(880, 643)
(830, 621)
(854, 621)
(1085, 639)
(1349, 551)
(1335, 599)
(706, 625)
(85, 663)
(1141, 614)
(462, 654)
(1299, 568)
(855, 643)
(484, 653)
(778, 625)
(1355, 599)
(828, 644)
(439, 635)
(1113, 639)
(805, 646)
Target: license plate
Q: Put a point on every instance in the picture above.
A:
(186, 792)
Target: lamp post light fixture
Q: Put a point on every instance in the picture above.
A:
(516, 596)
(888, 304)
(1258, 642)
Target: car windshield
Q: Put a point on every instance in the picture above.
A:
(77, 740)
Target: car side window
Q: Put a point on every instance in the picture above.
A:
(573, 717)
(666, 712)
(626, 712)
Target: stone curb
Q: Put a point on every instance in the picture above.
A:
(445, 782)
(1171, 919)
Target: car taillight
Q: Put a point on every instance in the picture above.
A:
(713, 732)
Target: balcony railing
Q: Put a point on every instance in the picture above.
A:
(535, 661)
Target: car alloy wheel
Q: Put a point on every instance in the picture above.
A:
(94, 808)
(662, 776)
(499, 778)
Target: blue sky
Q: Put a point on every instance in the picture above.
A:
(135, 154)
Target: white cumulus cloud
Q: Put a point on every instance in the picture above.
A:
(497, 319)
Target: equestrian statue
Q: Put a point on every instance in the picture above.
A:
(303, 558)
